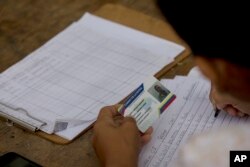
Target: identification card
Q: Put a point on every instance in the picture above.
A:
(147, 103)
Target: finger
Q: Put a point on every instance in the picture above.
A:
(149, 131)
(145, 139)
(129, 120)
(117, 106)
(241, 114)
(234, 111)
(92, 139)
(146, 136)
(108, 112)
(211, 97)
(230, 110)
(106, 116)
(216, 100)
(118, 120)
(130, 123)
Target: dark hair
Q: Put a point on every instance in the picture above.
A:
(211, 29)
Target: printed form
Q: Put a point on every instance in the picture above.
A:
(191, 113)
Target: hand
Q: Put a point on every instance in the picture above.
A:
(117, 140)
(231, 105)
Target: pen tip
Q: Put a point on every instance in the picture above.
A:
(216, 113)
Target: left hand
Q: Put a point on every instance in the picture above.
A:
(117, 140)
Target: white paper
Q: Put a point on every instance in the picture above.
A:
(191, 113)
(196, 73)
(90, 64)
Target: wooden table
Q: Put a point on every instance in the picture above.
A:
(25, 30)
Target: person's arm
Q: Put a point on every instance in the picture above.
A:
(117, 140)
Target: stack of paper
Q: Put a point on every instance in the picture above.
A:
(191, 113)
(60, 87)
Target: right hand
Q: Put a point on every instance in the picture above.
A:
(117, 140)
(231, 105)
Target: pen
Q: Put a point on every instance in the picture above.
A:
(217, 111)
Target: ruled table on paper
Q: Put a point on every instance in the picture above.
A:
(92, 63)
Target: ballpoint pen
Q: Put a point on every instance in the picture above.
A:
(217, 111)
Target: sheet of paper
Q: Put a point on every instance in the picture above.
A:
(150, 43)
(195, 72)
(92, 63)
(190, 114)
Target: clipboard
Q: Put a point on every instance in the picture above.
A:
(147, 24)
